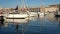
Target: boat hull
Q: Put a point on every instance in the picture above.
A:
(16, 20)
(57, 15)
(16, 17)
(33, 14)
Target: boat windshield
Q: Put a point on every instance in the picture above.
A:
(18, 13)
(13, 13)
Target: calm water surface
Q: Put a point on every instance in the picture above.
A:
(35, 25)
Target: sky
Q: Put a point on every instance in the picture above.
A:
(28, 3)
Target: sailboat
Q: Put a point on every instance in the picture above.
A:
(15, 14)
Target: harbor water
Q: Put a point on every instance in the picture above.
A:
(48, 24)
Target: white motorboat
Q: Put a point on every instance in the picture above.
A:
(11, 17)
(20, 15)
(41, 13)
(33, 14)
(57, 13)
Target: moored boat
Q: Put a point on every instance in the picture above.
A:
(20, 15)
(57, 14)
(33, 14)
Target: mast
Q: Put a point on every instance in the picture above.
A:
(23, 4)
(17, 5)
(59, 6)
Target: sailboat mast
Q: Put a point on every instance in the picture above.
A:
(17, 2)
(23, 3)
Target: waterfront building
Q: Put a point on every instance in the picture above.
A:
(52, 8)
(34, 9)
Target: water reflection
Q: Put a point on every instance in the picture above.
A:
(58, 20)
(33, 18)
(1, 24)
(21, 28)
(34, 25)
(17, 28)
